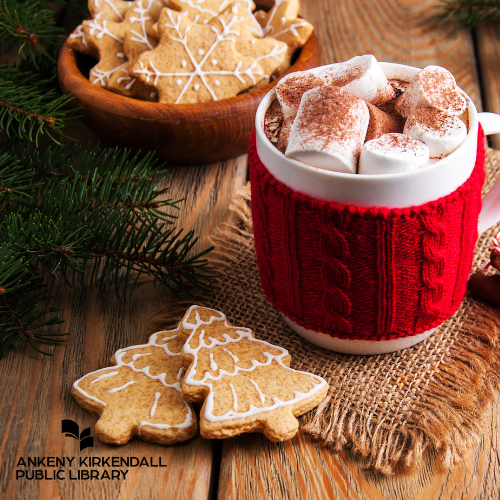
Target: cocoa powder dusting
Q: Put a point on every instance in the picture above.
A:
(291, 91)
(333, 115)
(432, 120)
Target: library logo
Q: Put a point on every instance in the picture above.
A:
(72, 429)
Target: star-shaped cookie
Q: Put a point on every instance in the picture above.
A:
(196, 62)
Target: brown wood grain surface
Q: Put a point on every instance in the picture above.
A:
(35, 390)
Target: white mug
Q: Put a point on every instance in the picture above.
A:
(406, 189)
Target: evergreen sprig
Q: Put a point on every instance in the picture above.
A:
(467, 13)
(66, 209)
(29, 106)
(28, 29)
(22, 300)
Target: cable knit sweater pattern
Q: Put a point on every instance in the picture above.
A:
(364, 273)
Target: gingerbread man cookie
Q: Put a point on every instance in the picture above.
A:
(196, 62)
(246, 384)
(141, 395)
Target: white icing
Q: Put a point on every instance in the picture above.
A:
(120, 54)
(181, 371)
(141, 37)
(119, 362)
(124, 386)
(269, 28)
(106, 375)
(183, 63)
(137, 356)
(80, 34)
(213, 364)
(198, 7)
(235, 358)
(275, 53)
(235, 401)
(196, 86)
(227, 34)
(216, 83)
(214, 62)
(153, 408)
(242, 333)
(99, 30)
(259, 392)
(178, 82)
(102, 77)
(201, 52)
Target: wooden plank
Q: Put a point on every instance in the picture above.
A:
(406, 32)
(487, 38)
(35, 392)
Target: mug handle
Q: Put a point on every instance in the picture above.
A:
(490, 214)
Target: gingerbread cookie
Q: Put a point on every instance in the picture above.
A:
(282, 23)
(201, 11)
(246, 384)
(196, 62)
(268, 52)
(109, 10)
(141, 395)
(106, 37)
(77, 41)
(136, 30)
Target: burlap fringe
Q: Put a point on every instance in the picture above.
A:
(448, 416)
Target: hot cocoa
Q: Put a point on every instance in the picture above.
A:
(328, 119)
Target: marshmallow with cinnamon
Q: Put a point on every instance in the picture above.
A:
(329, 129)
(292, 87)
(392, 153)
(440, 132)
(433, 87)
(361, 76)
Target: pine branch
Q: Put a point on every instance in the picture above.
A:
(467, 13)
(28, 107)
(29, 29)
(22, 298)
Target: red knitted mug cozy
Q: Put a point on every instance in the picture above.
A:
(364, 273)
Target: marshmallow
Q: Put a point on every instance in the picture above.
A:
(361, 76)
(433, 87)
(441, 133)
(329, 129)
(382, 123)
(392, 153)
(286, 128)
(291, 88)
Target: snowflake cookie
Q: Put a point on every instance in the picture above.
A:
(196, 62)
(141, 395)
(246, 384)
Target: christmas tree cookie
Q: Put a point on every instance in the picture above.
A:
(246, 384)
(141, 395)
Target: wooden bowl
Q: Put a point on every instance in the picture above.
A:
(179, 133)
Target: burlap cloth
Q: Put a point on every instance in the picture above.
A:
(389, 408)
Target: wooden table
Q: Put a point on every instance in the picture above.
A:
(35, 393)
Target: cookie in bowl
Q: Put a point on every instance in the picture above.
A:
(206, 124)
